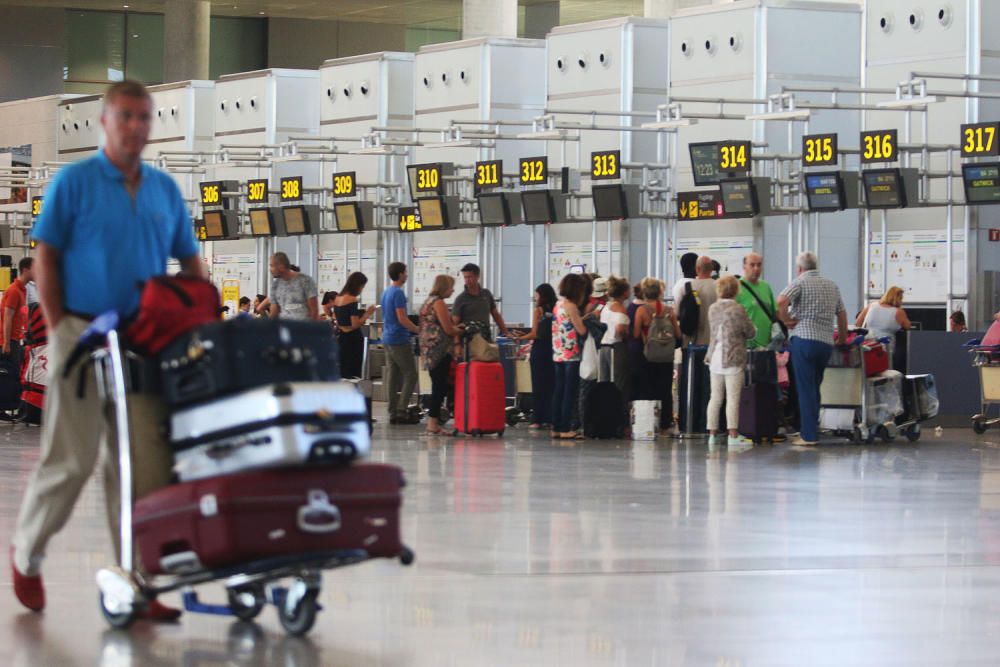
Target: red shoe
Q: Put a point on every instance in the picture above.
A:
(29, 590)
(160, 613)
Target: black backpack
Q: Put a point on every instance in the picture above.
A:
(688, 311)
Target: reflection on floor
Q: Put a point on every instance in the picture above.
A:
(606, 553)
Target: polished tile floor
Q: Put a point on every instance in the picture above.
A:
(601, 553)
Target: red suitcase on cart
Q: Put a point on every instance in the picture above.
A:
(262, 514)
(480, 398)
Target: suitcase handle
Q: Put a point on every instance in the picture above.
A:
(319, 515)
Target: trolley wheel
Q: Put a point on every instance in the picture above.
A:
(913, 433)
(406, 556)
(979, 426)
(300, 620)
(883, 433)
(475, 433)
(500, 433)
(247, 602)
(118, 620)
(866, 436)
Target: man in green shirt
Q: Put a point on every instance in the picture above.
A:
(757, 299)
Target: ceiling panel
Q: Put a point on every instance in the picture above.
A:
(405, 12)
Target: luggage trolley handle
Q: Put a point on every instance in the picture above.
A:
(103, 333)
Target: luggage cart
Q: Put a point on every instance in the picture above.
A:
(124, 590)
(510, 356)
(845, 387)
(987, 359)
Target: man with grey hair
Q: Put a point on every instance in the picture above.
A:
(809, 306)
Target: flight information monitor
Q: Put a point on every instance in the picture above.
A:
(982, 183)
(296, 220)
(739, 198)
(348, 215)
(883, 188)
(610, 202)
(539, 207)
(494, 209)
(433, 213)
(825, 191)
(261, 222)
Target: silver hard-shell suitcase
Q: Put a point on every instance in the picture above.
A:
(271, 426)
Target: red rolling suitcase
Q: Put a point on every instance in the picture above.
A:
(292, 511)
(480, 398)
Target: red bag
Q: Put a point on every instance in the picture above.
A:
(876, 358)
(235, 519)
(480, 398)
(169, 307)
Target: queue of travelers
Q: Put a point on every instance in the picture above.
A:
(728, 315)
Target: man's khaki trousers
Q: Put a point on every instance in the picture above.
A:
(73, 430)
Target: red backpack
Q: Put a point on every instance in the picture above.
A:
(169, 307)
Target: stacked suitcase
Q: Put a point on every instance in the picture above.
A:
(264, 435)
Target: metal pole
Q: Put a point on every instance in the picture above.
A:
(867, 255)
(347, 259)
(650, 234)
(531, 263)
(885, 253)
(593, 246)
(498, 272)
(949, 222)
(611, 263)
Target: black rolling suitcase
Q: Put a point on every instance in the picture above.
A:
(602, 406)
(759, 415)
(223, 358)
(759, 412)
(694, 391)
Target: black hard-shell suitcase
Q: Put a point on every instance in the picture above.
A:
(603, 412)
(223, 358)
(694, 391)
(759, 411)
(10, 383)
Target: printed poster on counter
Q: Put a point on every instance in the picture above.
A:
(335, 265)
(918, 263)
(429, 262)
(569, 256)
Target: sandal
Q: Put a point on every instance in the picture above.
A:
(440, 431)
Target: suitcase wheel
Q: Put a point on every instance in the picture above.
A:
(246, 602)
(300, 619)
(406, 556)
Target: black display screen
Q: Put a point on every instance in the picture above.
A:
(494, 209)
(538, 207)
(609, 202)
(704, 163)
(982, 183)
(883, 188)
(739, 199)
(825, 192)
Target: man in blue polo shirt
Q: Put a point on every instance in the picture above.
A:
(109, 222)
(401, 363)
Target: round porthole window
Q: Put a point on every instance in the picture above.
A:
(561, 64)
(916, 20)
(885, 23)
(944, 16)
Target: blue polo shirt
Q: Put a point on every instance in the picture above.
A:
(110, 242)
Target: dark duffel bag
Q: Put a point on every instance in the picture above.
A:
(222, 358)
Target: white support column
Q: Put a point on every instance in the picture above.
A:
(489, 18)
